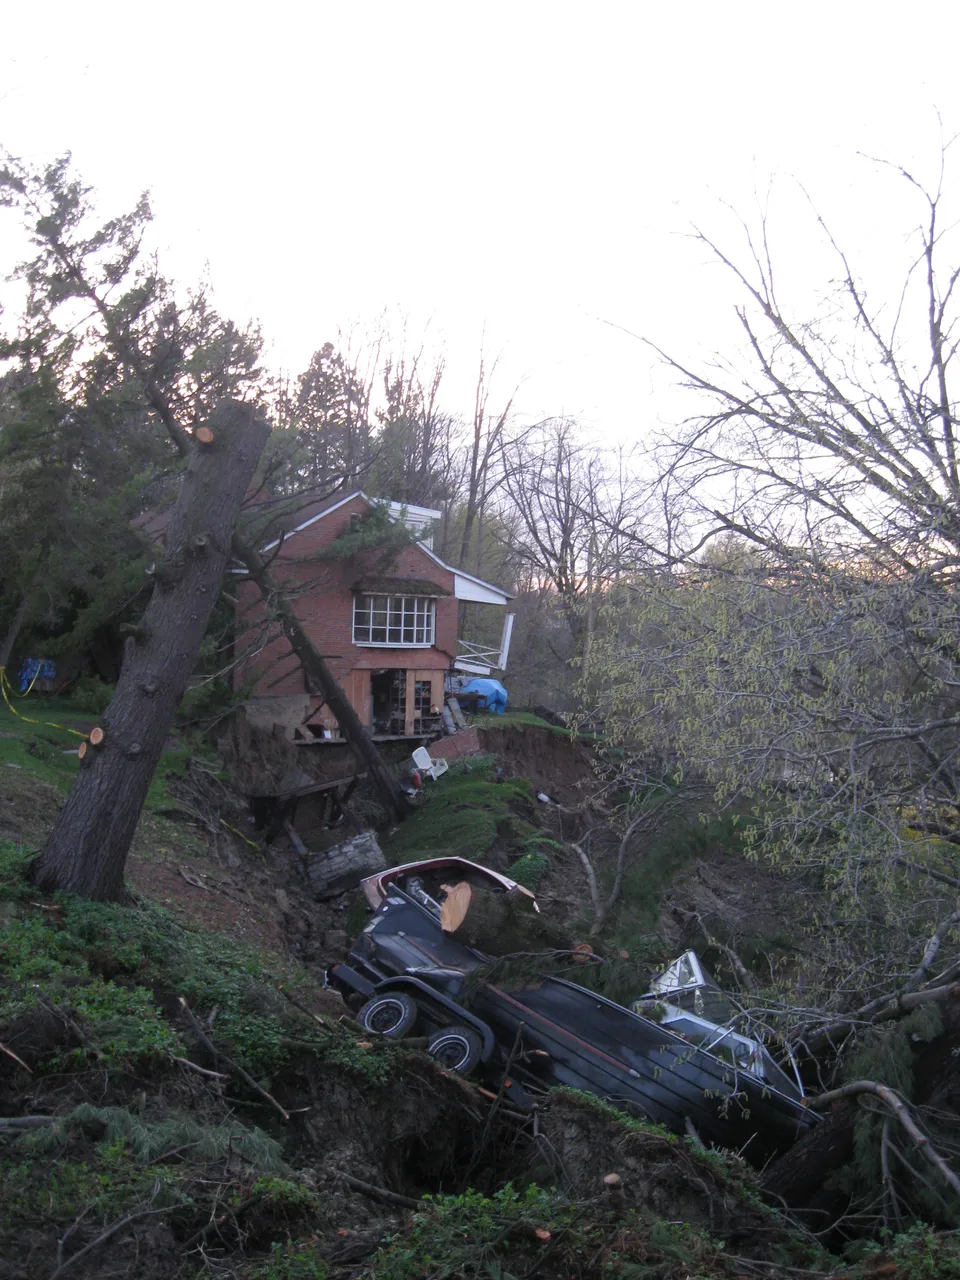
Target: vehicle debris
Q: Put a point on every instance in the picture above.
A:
(669, 1058)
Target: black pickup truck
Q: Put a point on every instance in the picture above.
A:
(676, 1068)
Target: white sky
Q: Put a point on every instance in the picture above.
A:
(527, 167)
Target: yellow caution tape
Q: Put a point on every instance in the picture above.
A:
(241, 835)
(6, 689)
(26, 691)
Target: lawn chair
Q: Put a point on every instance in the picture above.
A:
(432, 768)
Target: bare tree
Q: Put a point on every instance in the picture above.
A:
(484, 450)
(571, 514)
(821, 666)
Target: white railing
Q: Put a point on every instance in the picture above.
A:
(480, 660)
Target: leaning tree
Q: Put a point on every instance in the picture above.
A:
(87, 848)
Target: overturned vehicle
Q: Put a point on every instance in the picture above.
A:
(423, 965)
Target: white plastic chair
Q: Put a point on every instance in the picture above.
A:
(432, 768)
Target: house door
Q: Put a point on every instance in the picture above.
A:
(388, 690)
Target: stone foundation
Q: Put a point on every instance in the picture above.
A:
(344, 865)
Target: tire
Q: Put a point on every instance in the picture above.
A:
(456, 1048)
(392, 1014)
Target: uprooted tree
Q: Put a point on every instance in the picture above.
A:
(87, 848)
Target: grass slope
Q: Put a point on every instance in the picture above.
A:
(467, 812)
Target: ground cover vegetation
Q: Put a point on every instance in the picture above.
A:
(749, 632)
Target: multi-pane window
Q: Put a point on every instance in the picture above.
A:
(393, 620)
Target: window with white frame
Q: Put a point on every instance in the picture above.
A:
(394, 620)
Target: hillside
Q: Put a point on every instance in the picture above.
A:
(181, 1097)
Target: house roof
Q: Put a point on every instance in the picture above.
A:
(466, 586)
(285, 517)
(276, 516)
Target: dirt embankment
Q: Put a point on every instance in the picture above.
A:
(553, 762)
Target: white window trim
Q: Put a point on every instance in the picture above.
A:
(395, 644)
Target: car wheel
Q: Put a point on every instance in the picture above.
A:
(456, 1048)
(392, 1014)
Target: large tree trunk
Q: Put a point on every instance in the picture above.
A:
(316, 668)
(797, 1178)
(87, 848)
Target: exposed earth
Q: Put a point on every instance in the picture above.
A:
(201, 1105)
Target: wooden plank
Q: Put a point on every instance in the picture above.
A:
(410, 686)
(295, 840)
(457, 714)
(299, 792)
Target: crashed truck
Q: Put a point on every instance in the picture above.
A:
(670, 1058)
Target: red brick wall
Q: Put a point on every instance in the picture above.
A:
(464, 743)
(324, 604)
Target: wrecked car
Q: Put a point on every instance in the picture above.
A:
(424, 881)
(522, 1032)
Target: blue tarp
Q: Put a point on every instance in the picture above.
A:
(493, 695)
(36, 669)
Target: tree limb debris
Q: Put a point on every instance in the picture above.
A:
(201, 1071)
(19, 1061)
(315, 1017)
(379, 1193)
(110, 1231)
(26, 1122)
(899, 1109)
(890, 1007)
(215, 1222)
(218, 1053)
(71, 1025)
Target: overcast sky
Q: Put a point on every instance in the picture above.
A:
(524, 169)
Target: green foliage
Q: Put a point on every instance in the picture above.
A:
(886, 1055)
(14, 860)
(530, 869)
(376, 1065)
(473, 1236)
(124, 1023)
(466, 812)
(622, 979)
(148, 1141)
(377, 531)
(291, 1198)
(917, 1254)
(459, 1235)
(207, 701)
(38, 1191)
(80, 442)
(632, 925)
(289, 1261)
(122, 954)
(91, 695)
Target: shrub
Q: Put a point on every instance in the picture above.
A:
(91, 695)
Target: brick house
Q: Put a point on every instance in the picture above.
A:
(388, 632)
